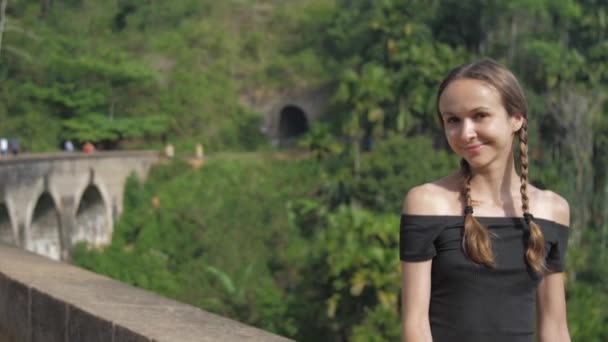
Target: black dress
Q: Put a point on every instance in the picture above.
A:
(473, 303)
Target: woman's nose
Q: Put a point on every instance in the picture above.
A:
(469, 131)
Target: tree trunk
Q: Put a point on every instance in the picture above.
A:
(45, 7)
(574, 109)
(2, 21)
(357, 149)
(512, 38)
(604, 227)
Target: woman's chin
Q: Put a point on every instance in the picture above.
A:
(476, 161)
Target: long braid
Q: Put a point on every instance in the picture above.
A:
(466, 178)
(476, 241)
(536, 241)
(476, 238)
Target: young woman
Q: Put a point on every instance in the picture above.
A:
(482, 250)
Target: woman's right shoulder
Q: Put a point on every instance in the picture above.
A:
(435, 198)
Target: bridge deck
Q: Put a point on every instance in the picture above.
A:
(26, 157)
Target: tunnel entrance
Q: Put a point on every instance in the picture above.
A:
(292, 123)
(44, 238)
(91, 220)
(6, 227)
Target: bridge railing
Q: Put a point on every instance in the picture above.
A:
(25, 157)
(45, 300)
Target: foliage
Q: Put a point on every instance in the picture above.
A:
(321, 142)
(358, 252)
(587, 299)
(195, 260)
(388, 172)
(97, 128)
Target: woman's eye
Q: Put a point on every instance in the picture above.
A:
(451, 120)
(481, 115)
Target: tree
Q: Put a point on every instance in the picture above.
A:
(574, 110)
(2, 20)
(5, 26)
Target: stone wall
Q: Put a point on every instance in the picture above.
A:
(45, 300)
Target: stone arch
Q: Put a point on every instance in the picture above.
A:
(7, 234)
(45, 226)
(293, 122)
(92, 223)
(94, 183)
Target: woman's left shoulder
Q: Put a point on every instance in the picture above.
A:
(551, 206)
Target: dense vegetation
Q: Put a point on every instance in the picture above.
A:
(131, 73)
(305, 248)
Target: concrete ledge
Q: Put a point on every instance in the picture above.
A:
(45, 300)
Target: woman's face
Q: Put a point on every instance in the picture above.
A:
(476, 124)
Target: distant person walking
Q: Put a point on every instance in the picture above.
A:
(68, 146)
(169, 150)
(88, 147)
(15, 147)
(200, 153)
(4, 146)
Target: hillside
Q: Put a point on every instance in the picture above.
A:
(125, 74)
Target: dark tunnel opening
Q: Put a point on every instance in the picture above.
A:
(292, 124)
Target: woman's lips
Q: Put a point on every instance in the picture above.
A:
(474, 148)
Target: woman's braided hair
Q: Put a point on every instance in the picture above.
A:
(476, 239)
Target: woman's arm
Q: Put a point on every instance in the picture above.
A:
(551, 309)
(550, 297)
(416, 276)
(415, 298)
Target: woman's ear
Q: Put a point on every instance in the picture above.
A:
(517, 121)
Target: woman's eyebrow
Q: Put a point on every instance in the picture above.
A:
(476, 109)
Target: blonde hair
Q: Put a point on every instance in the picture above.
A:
(476, 240)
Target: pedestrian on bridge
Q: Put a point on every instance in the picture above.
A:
(4, 146)
(88, 147)
(68, 146)
(169, 150)
(15, 147)
(200, 153)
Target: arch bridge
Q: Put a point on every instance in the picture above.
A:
(48, 202)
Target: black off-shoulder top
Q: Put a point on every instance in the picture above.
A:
(473, 303)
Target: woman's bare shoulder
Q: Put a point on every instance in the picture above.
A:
(551, 206)
(439, 197)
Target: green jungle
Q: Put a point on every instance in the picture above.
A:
(303, 241)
